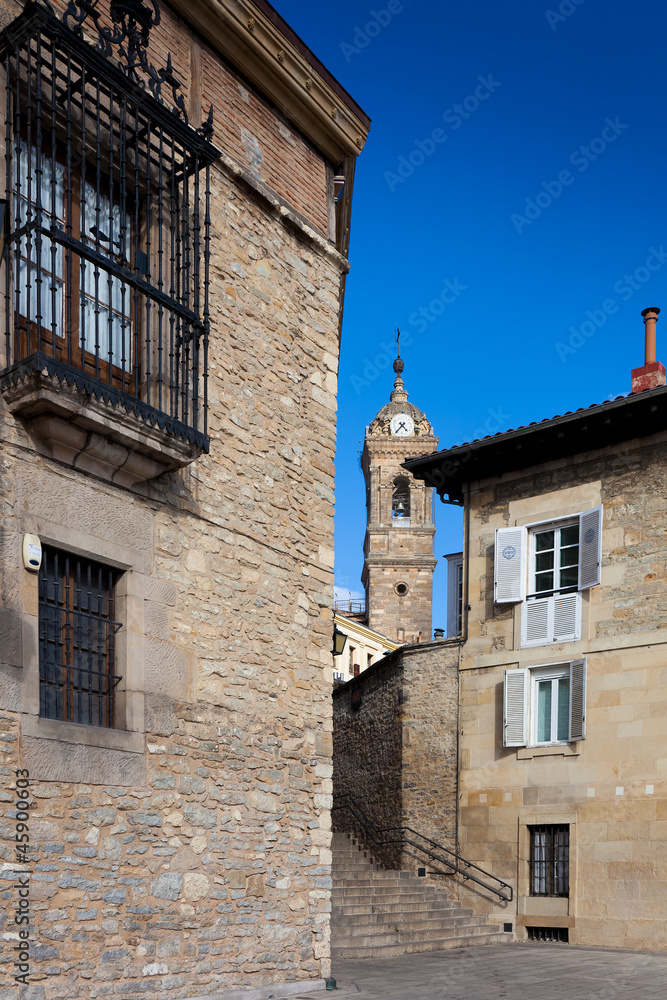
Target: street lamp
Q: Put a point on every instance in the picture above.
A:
(339, 640)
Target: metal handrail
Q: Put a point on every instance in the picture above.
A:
(456, 866)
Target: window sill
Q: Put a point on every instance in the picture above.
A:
(66, 751)
(73, 732)
(553, 750)
(88, 433)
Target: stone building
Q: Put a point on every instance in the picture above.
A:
(562, 700)
(179, 183)
(398, 548)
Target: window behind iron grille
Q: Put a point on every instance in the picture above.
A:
(549, 860)
(108, 251)
(76, 639)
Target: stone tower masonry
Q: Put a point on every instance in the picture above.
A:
(398, 548)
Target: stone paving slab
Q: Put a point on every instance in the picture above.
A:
(505, 972)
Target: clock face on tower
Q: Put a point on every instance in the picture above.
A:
(402, 425)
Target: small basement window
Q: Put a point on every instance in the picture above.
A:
(548, 934)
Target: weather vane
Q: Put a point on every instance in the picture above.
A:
(398, 348)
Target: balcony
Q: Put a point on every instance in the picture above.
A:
(107, 247)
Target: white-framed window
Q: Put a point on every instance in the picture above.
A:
(454, 594)
(545, 705)
(546, 566)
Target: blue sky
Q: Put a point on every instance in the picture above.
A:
(540, 199)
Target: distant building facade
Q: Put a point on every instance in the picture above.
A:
(173, 281)
(363, 647)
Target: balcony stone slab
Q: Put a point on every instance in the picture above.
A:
(91, 434)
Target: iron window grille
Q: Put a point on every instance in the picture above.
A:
(549, 860)
(108, 195)
(77, 631)
(548, 934)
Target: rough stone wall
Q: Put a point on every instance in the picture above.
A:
(610, 787)
(368, 749)
(192, 853)
(396, 751)
(430, 746)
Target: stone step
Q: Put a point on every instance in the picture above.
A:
(410, 948)
(378, 912)
(445, 907)
(392, 900)
(378, 923)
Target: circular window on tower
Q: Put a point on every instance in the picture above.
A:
(401, 589)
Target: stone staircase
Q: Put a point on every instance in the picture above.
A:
(378, 913)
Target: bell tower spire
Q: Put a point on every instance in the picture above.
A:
(398, 548)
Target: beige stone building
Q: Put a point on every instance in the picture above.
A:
(179, 183)
(563, 671)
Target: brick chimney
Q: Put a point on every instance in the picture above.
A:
(652, 373)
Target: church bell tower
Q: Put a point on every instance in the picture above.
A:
(398, 548)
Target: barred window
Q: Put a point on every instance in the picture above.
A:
(107, 280)
(77, 631)
(550, 860)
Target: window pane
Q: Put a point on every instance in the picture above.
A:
(569, 577)
(570, 535)
(544, 560)
(544, 581)
(544, 711)
(570, 556)
(544, 540)
(563, 708)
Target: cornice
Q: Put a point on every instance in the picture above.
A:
(246, 36)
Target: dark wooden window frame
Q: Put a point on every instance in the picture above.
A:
(77, 649)
(549, 860)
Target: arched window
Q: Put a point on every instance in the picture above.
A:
(400, 497)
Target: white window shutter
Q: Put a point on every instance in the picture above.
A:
(590, 547)
(567, 617)
(509, 582)
(535, 622)
(577, 699)
(515, 708)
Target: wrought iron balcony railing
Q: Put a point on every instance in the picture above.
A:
(107, 228)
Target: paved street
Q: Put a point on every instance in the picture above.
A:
(516, 971)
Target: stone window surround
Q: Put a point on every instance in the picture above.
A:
(555, 506)
(129, 734)
(552, 911)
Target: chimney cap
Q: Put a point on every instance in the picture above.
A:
(651, 309)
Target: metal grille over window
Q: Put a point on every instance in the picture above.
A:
(554, 934)
(549, 860)
(107, 272)
(76, 639)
